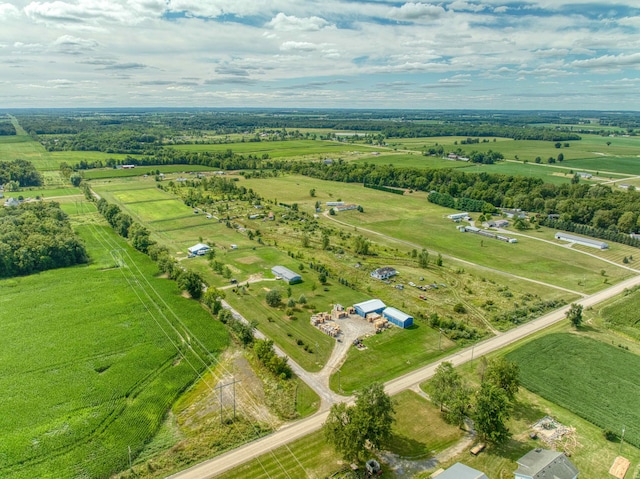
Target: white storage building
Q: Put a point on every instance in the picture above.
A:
(593, 243)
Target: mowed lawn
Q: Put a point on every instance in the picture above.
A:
(597, 381)
(87, 368)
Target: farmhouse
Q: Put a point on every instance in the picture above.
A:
(583, 241)
(384, 273)
(397, 317)
(458, 216)
(461, 471)
(286, 274)
(368, 307)
(545, 464)
(11, 202)
(200, 249)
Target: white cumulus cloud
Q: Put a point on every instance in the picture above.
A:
(415, 11)
(288, 23)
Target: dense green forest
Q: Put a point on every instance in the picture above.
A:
(36, 237)
(22, 172)
(6, 128)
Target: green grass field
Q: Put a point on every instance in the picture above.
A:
(596, 381)
(284, 149)
(390, 354)
(87, 367)
(412, 219)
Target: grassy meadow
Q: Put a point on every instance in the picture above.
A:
(109, 373)
(412, 221)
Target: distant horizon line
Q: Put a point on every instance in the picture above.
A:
(272, 108)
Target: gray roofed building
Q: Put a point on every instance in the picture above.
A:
(286, 274)
(545, 464)
(461, 471)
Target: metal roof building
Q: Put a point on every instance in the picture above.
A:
(545, 464)
(371, 306)
(397, 317)
(199, 249)
(583, 241)
(286, 274)
(461, 471)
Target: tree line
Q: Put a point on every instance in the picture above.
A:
(37, 237)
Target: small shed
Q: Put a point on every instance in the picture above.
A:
(371, 306)
(397, 317)
(286, 274)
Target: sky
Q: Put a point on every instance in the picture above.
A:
(486, 54)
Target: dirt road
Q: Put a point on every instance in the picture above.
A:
(220, 464)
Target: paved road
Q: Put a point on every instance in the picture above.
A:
(297, 430)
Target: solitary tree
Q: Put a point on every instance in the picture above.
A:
(575, 315)
(350, 429)
(273, 298)
(492, 412)
(444, 382)
(504, 374)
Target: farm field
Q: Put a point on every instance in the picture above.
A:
(595, 380)
(412, 219)
(141, 170)
(621, 315)
(284, 149)
(97, 403)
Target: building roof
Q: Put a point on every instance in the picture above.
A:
(545, 464)
(198, 247)
(285, 273)
(396, 313)
(461, 471)
(370, 305)
(580, 239)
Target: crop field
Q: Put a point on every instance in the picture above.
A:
(103, 173)
(597, 381)
(110, 373)
(283, 149)
(622, 315)
(549, 174)
(609, 166)
(411, 218)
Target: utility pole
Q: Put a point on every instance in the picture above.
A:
(220, 386)
(621, 441)
(440, 340)
(129, 448)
